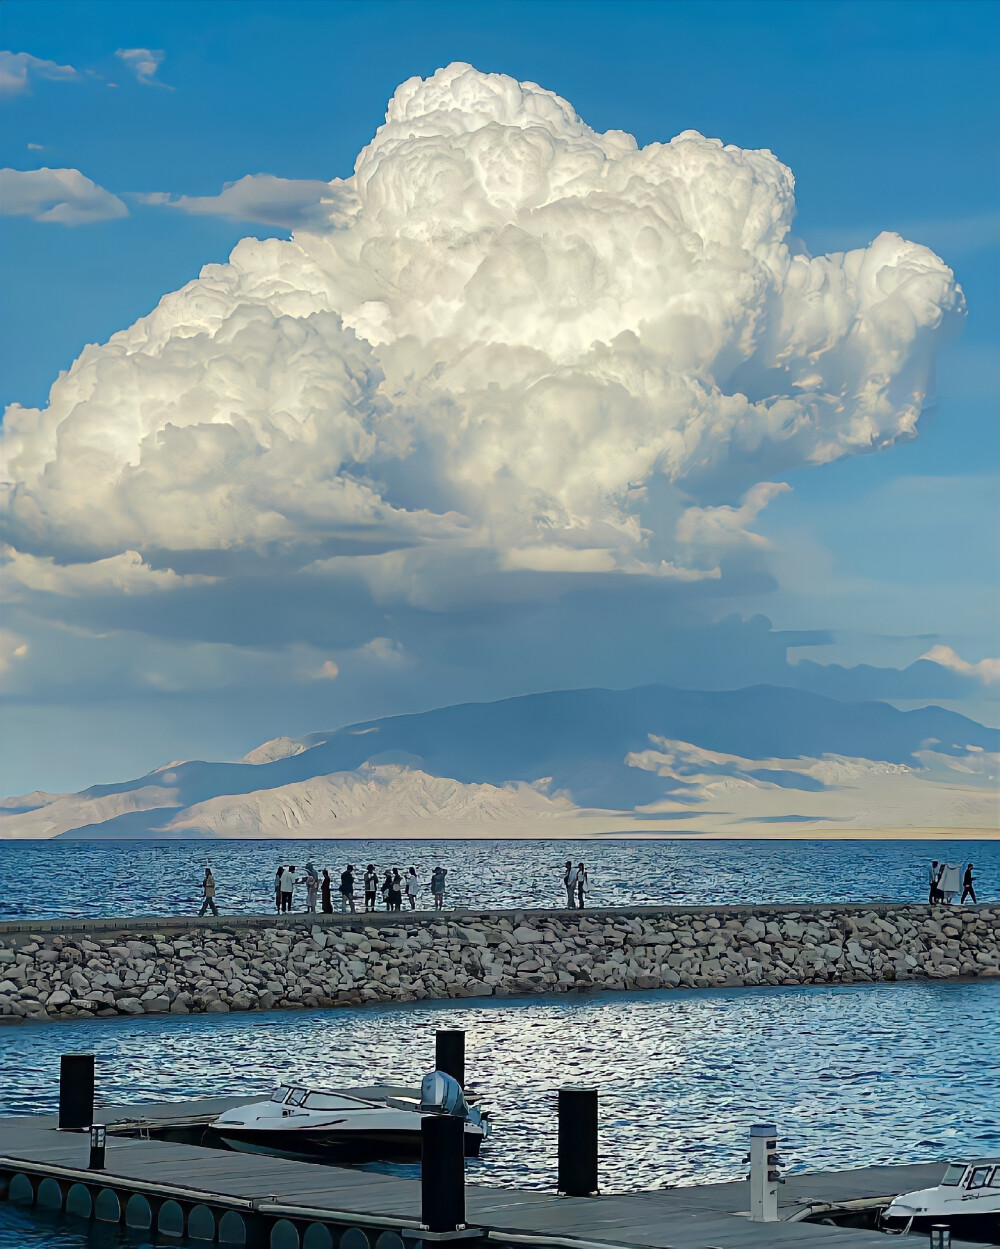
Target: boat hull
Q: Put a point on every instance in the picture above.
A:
(984, 1228)
(329, 1145)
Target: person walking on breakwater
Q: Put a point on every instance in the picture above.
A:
(569, 882)
(371, 887)
(311, 882)
(324, 893)
(968, 881)
(581, 884)
(287, 887)
(437, 886)
(347, 888)
(208, 889)
(412, 885)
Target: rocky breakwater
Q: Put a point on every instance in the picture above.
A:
(232, 965)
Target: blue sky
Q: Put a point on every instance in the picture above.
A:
(885, 112)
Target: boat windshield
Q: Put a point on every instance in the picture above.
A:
(978, 1177)
(331, 1101)
(296, 1097)
(279, 1095)
(995, 1179)
(954, 1173)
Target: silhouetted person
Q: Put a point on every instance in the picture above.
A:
(967, 883)
(208, 889)
(396, 891)
(277, 886)
(347, 888)
(569, 882)
(933, 876)
(324, 892)
(581, 884)
(437, 887)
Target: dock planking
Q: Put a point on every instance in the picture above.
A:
(710, 1216)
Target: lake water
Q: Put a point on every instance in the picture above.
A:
(853, 1075)
(53, 879)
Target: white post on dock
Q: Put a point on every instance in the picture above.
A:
(764, 1176)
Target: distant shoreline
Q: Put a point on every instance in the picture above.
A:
(630, 833)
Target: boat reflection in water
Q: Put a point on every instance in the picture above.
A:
(374, 1124)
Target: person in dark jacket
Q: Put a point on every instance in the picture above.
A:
(967, 884)
(347, 888)
(208, 889)
(396, 891)
(324, 892)
(581, 884)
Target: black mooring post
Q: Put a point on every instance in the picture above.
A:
(76, 1091)
(577, 1141)
(442, 1173)
(449, 1054)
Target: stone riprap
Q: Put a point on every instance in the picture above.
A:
(149, 967)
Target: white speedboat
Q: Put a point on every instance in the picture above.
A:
(967, 1199)
(367, 1125)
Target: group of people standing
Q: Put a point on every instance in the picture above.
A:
(941, 889)
(392, 886)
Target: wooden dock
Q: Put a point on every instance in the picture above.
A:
(215, 1195)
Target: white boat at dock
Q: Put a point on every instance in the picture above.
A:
(366, 1125)
(967, 1199)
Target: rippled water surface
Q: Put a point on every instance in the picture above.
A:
(52, 879)
(853, 1075)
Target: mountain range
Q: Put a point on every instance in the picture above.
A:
(567, 763)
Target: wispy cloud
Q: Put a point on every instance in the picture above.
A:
(17, 69)
(261, 197)
(61, 196)
(144, 63)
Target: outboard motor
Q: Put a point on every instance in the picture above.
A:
(441, 1094)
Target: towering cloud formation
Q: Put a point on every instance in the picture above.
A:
(513, 334)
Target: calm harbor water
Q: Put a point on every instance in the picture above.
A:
(55, 879)
(853, 1075)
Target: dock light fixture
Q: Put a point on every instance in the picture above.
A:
(98, 1140)
(764, 1175)
(940, 1236)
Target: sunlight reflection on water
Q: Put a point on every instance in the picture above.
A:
(853, 1075)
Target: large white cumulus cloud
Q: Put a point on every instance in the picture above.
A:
(513, 333)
